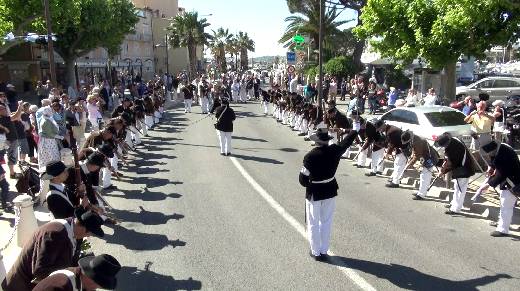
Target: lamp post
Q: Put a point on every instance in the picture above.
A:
(50, 47)
(166, 46)
(320, 81)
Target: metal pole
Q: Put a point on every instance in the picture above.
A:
(167, 57)
(320, 81)
(50, 47)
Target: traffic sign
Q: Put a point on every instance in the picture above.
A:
(291, 58)
(290, 69)
(298, 39)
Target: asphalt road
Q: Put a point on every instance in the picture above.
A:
(192, 220)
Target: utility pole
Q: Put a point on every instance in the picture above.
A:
(167, 53)
(50, 47)
(320, 81)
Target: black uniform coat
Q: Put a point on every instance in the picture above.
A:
(225, 120)
(49, 249)
(507, 165)
(59, 282)
(454, 153)
(322, 163)
(60, 207)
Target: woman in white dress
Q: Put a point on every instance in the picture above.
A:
(48, 148)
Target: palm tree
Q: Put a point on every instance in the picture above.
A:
(218, 42)
(307, 22)
(187, 30)
(245, 44)
(232, 47)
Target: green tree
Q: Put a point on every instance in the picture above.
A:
(22, 16)
(187, 30)
(218, 41)
(89, 24)
(439, 31)
(233, 49)
(245, 45)
(339, 67)
(358, 43)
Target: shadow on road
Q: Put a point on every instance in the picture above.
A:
(258, 159)
(142, 194)
(133, 279)
(145, 217)
(249, 138)
(138, 241)
(411, 279)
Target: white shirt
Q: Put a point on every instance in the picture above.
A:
(293, 85)
(429, 100)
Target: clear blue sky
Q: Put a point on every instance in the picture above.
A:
(263, 20)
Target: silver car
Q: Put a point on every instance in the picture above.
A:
(498, 88)
(429, 122)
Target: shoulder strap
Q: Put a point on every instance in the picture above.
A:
(221, 114)
(58, 193)
(70, 233)
(70, 275)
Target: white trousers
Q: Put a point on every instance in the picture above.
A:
(136, 136)
(157, 116)
(141, 125)
(106, 176)
(319, 224)
(187, 105)
(460, 186)
(424, 181)
(304, 128)
(376, 164)
(362, 157)
(266, 107)
(399, 167)
(204, 105)
(148, 121)
(507, 206)
(224, 139)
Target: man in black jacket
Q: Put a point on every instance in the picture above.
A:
(458, 161)
(317, 176)
(503, 171)
(224, 126)
(393, 140)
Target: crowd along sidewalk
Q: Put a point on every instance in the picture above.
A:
(10, 246)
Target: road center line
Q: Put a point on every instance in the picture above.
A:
(348, 272)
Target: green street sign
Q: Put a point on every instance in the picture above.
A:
(298, 39)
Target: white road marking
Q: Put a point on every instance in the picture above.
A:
(348, 272)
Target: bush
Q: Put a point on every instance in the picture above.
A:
(339, 67)
(312, 72)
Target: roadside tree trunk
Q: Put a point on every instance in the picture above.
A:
(449, 81)
(192, 56)
(70, 72)
(359, 47)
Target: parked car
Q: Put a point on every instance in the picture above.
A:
(498, 88)
(430, 122)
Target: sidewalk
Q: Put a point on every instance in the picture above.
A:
(7, 220)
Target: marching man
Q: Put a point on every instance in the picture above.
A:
(317, 176)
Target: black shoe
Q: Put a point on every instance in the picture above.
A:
(392, 185)
(447, 206)
(379, 173)
(358, 166)
(370, 174)
(449, 212)
(228, 154)
(498, 234)
(222, 154)
(307, 139)
(324, 257)
(316, 258)
(302, 134)
(417, 197)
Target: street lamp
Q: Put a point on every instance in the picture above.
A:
(50, 47)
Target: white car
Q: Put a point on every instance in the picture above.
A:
(430, 122)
